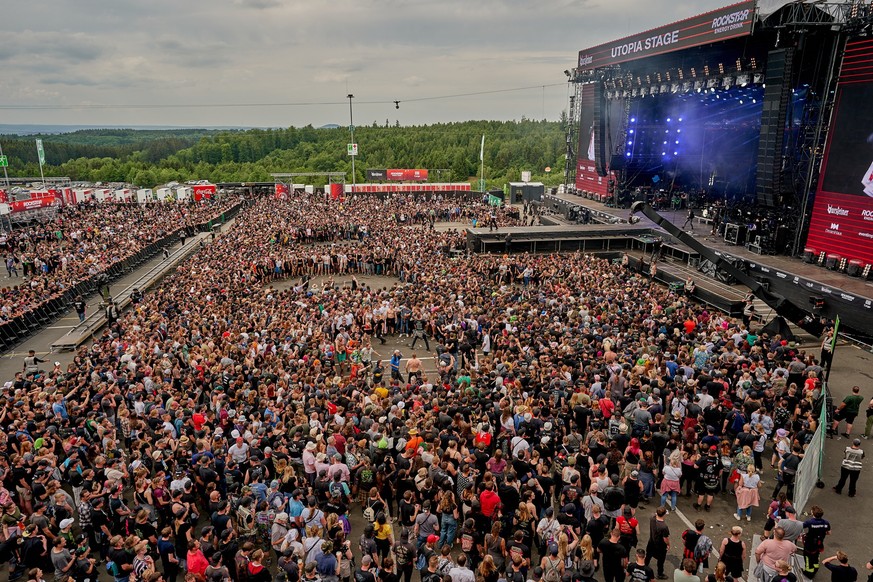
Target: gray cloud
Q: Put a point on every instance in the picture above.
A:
(70, 52)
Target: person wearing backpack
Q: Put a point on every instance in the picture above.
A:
(552, 565)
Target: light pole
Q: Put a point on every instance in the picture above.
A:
(352, 132)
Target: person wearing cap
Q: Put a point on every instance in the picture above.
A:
(850, 468)
(709, 468)
(792, 527)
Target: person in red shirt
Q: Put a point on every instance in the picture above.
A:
(198, 418)
(489, 500)
(606, 407)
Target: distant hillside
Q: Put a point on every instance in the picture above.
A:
(146, 157)
(26, 129)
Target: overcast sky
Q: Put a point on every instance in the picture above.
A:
(161, 53)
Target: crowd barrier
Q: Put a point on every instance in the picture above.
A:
(35, 319)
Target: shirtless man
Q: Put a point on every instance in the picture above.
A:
(413, 367)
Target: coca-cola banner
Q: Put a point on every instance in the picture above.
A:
(201, 191)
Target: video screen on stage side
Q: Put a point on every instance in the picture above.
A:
(849, 167)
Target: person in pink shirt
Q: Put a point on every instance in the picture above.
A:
(771, 551)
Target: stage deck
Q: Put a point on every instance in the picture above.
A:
(849, 297)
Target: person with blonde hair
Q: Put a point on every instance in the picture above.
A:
(747, 493)
(670, 484)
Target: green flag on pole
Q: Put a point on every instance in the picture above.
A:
(40, 151)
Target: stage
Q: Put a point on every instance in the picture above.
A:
(849, 297)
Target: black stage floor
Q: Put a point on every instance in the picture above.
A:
(850, 298)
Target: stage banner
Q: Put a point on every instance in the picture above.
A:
(376, 175)
(407, 175)
(4, 197)
(842, 218)
(282, 191)
(728, 22)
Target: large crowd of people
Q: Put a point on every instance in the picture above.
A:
(244, 421)
(80, 241)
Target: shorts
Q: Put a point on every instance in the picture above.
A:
(702, 489)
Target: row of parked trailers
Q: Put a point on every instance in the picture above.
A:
(67, 196)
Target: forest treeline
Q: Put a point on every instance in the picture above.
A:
(150, 157)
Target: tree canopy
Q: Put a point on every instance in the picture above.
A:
(150, 157)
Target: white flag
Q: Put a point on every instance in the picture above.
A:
(482, 149)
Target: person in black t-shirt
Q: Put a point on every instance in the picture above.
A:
(841, 571)
(659, 541)
(638, 571)
(613, 557)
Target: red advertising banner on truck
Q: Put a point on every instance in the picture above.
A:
(38, 200)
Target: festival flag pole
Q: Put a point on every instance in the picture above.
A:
(41, 153)
(482, 164)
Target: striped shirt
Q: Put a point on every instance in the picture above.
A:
(852, 459)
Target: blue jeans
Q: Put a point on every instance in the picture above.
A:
(673, 494)
(648, 484)
(448, 529)
(748, 511)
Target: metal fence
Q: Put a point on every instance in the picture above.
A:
(18, 329)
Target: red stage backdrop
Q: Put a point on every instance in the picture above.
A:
(842, 218)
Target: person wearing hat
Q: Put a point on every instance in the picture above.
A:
(415, 441)
(850, 468)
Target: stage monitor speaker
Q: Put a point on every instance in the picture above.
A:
(768, 182)
(617, 162)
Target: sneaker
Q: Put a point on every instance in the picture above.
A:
(697, 506)
(737, 517)
(748, 518)
(847, 435)
(865, 437)
(837, 491)
(662, 576)
(707, 507)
